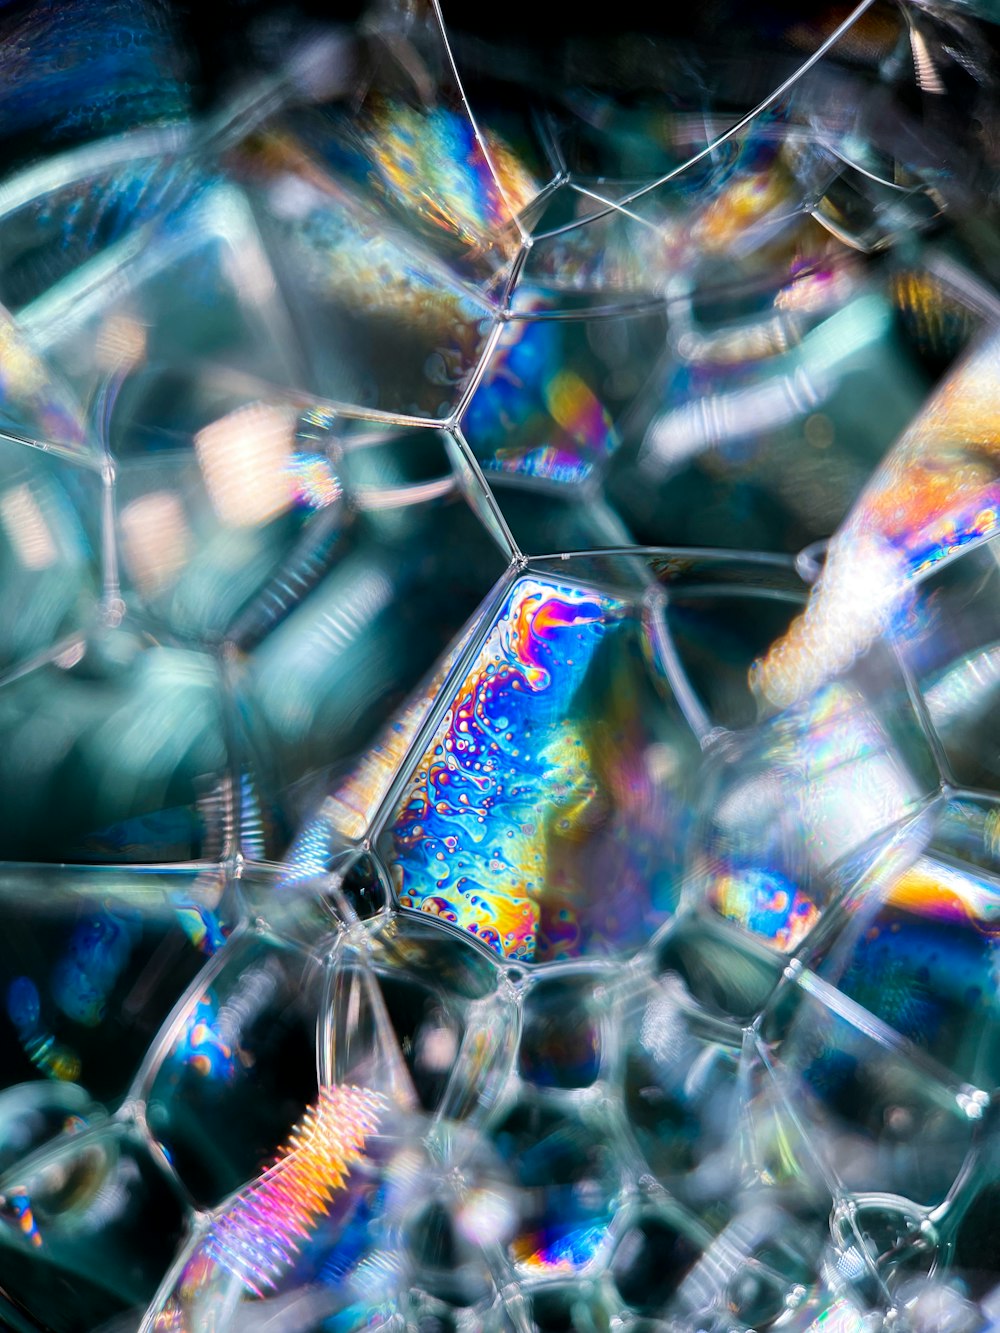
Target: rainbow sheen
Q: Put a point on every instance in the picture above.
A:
(451, 930)
(201, 1046)
(925, 963)
(767, 903)
(24, 1008)
(507, 769)
(360, 278)
(348, 811)
(535, 416)
(314, 482)
(560, 1250)
(33, 401)
(432, 164)
(938, 891)
(828, 765)
(936, 493)
(251, 1245)
(201, 925)
(840, 1316)
(16, 1210)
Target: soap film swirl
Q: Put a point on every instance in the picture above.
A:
(498, 826)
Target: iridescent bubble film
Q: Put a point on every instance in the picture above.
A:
(499, 668)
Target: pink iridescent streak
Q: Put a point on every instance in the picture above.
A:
(259, 1235)
(532, 625)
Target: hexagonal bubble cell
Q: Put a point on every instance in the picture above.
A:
(391, 329)
(916, 950)
(718, 446)
(544, 781)
(804, 804)
(654, 1257)
(270, 636)
(722, 451)
(848, 1104)
(564, 1034)
(92, 962)
(545, 409)
(444, 1016)
(682, 1087)
(235, 1066)
(727, 971)
(762, 1269)
(568, 1176)
(405, 146)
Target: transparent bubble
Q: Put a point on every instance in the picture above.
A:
(498, 572)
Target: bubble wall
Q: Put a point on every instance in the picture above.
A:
(499, 713)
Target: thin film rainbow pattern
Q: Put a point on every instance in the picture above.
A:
(565, 1252)
(767, 903)
(470, 839)
(257, 1238)
(921, 958)
(941, 892)
(937, 492)
(534, 416)
(432, 162)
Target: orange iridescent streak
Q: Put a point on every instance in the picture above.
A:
(262, 1231)
(942, 892)
(432, 162)
(937, 493)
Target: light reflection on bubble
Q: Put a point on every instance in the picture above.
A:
(404, 928)
(518, 798)
(936, 493)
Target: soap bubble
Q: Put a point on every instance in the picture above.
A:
(498, 570)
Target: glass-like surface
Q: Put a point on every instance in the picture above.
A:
(499, 770)
(535, 817)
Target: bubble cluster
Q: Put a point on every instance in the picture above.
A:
(499, 654)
